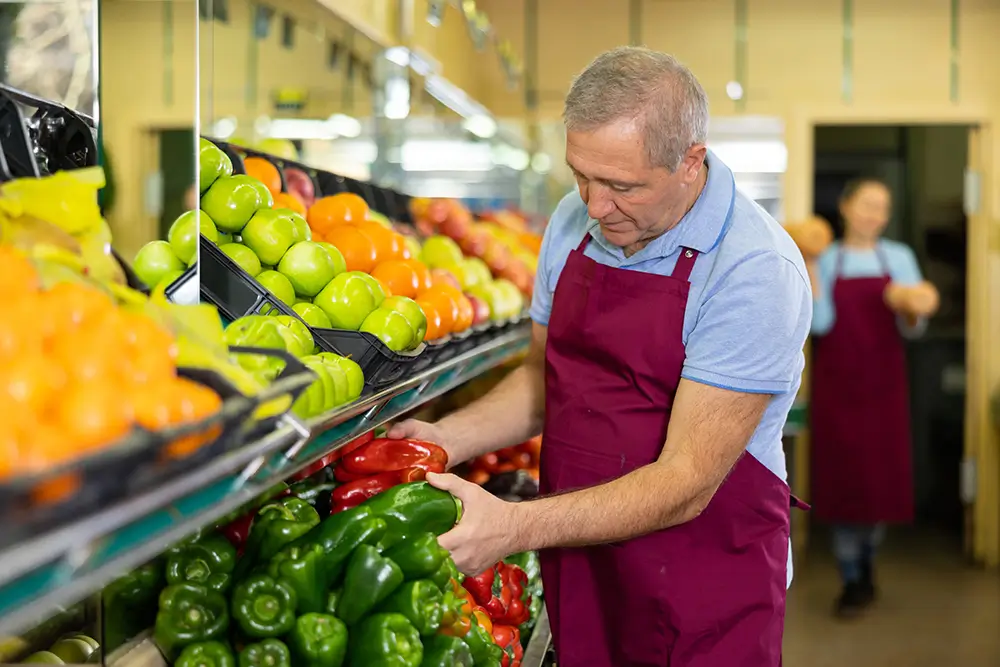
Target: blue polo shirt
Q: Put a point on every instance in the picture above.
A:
(750, 304)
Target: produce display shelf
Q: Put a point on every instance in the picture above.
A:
(56, 569)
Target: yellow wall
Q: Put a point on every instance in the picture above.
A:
(136, 100)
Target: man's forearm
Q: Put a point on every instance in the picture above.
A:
(509, 414)
(654, 497)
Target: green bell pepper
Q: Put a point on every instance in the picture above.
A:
(264, 607)
(276, 524)
(208, 561)
(129, 603)
(411, 509)
(333, 599)
(304, 568)
(485, 652)
(444, 574)
(444, 651)
(385, 640)
(339, 536)
(318, 640)
(189, 614)
(420, 602)
(370, 579)
(268, 653)
(206, 654)
(418, 557)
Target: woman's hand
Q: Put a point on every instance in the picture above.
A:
(896, 298)
(922, 300)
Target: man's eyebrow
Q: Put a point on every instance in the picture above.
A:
(606, 181)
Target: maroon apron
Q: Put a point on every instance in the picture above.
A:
(861, 460)
(707, 593)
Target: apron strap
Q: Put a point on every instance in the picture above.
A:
(584, 242)
(682, 269)
(883, 260)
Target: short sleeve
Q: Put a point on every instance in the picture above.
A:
(541, 296)
(903, 265)
(824, 313)
(752, 327)
(563, 221)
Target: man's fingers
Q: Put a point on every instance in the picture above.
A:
(403, 429)
(452, 539)
(453, 484)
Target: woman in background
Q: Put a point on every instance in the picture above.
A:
(869, 295)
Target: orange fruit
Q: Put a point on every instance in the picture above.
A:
(399, 276)
(289, 201)
(144, 333)
(465, 314)
(19, 274)
(265, 172)
(72, 303)
(93, 414)
(388, 244)
(435, 327)
(446, 306)
(358, 249)
(31, 382)
(191, 402)
(424, 280)
(328, 212)
(22, 330)
(385, 288)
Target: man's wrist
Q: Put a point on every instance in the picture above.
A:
(521, 532)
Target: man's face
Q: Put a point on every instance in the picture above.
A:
(633, 200)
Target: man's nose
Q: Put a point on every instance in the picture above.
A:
(599, 202)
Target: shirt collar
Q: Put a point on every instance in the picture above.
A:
(700, 229)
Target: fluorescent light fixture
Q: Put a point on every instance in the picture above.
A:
(262, 125)
(224, 127)
(345, 126)
(541, 163)
(481, 125)
(398, 55)
(454, 97)
(507, 156)
(397, 98)
(752, 157)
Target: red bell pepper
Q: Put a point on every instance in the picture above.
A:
(509, 639)
(488, 462)
(488, 591)
(309, 470)
(483, 617)
(238, 530)
(355, 492)
(383, 455)
(354, 444)
(515, 580)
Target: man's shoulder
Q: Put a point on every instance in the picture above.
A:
(753, 232)
(567, 226)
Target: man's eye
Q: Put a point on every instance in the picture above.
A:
(621, 188)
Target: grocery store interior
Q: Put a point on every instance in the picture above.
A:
(241, 239)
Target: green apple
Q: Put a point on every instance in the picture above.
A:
(312, 314)
(467, 279)
(477, 269)
(244, 256)
(341, 388)
(232, 201)
(413, 243)
(348, 299)
(308, 266)
(303, 232)
(278, 285)
(375, 216)
(390, 327)
(223, 238)
(492, 297)
(72, 651)
(376, 286)
(269, 233)
(311, 401)
(166, 280)
(440, 251)
(183, 234)
(298, 338)
(213, 164)
(90, 640)
(257, 331)
(155, 260)
(512, 299)
(44, 658)
(355, 377)
(338, 257)
(413, 313)
(282, 148)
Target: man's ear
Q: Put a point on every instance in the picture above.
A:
(692, 162)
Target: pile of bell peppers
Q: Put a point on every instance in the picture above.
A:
(369, 468)
(525, 456)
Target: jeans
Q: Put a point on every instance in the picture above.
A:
(854, 547)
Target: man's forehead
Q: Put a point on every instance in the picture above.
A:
(606, 154)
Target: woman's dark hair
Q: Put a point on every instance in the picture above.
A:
(855, 184)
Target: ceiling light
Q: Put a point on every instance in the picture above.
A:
(481, 125)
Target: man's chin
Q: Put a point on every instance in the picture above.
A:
(619, 235)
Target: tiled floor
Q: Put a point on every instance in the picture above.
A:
(934, 611)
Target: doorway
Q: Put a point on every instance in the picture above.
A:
(924, 168)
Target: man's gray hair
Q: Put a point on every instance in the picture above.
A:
(639, 84)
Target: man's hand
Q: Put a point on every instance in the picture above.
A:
(418, 430)
(484, 535)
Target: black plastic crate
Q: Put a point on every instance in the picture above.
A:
(380, 365)
(237, 153)
(231, 289)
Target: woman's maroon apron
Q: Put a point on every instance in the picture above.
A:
(707, 593)
(861, 459)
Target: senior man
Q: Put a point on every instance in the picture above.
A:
(670, 312)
